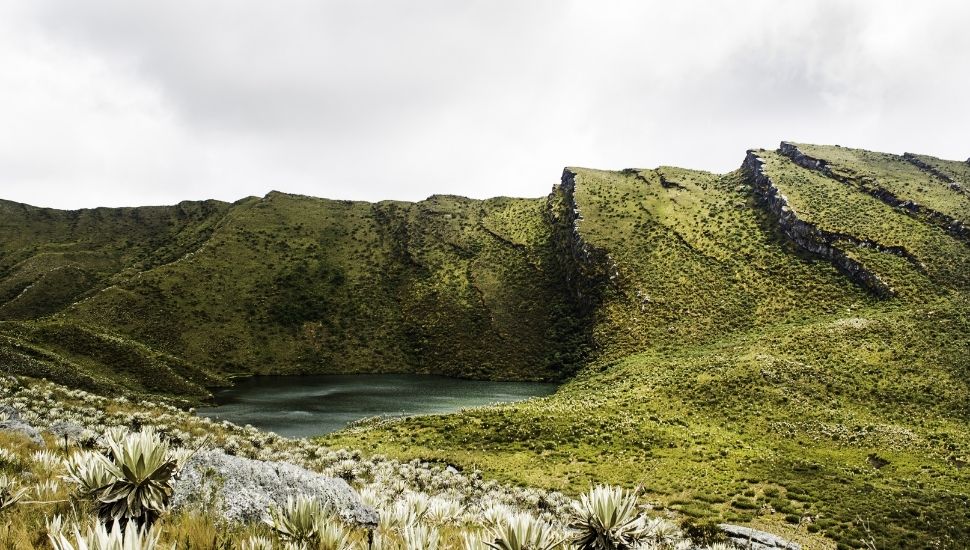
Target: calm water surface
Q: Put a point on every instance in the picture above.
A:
(303, 406)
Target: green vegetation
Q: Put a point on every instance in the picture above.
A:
(729, 359)
(905, 180)
(286, 283)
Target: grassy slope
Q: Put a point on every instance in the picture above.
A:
(50, 259)
(742, 380)
(290, 284)
(733, 375)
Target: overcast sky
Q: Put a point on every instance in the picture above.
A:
(121, 102)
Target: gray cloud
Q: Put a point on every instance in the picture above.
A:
(111, 102)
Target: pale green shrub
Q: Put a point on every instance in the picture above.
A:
(524, 532)
(96, 536)
(10, 492)
(142, 470)
(606, 518)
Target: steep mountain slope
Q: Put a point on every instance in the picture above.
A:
(781, 346)
(784, 345)
(289, 284)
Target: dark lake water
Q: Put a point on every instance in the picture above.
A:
(303, 406)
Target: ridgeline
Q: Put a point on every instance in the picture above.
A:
(784, 345)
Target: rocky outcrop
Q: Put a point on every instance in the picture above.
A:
(924, 166)
(810, 237)
(872, 187)
(243, 490)
(589, 269)
(753, 539)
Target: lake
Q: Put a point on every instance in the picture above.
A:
(304, 406)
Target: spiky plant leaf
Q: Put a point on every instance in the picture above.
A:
(420, 537)
(523, 532)
(88, 472)
(606, 518)
(142, 471)
(97, 536)
(256, 542)
(299, 520)
(331, 535)
(10, 492)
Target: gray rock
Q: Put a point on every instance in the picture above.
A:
(746, 537)
(11, 421)
(243, 490)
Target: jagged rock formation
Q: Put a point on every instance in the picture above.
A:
(871, 185)
(923, 165)
(808, 236)
(588, 269)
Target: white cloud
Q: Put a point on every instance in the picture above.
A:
(110, 102)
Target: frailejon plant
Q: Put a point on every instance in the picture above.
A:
(141, 468)
(524, 532)
(304, 520)
(421, 537)
(606, 518)
(332, 535)
(10, 492)
(97, 536)
(88, 471)
(256, 542)
(298, 520)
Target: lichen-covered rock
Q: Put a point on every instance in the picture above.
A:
(243, 490)
(746, 537)
(11, 421)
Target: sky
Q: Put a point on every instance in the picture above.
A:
(121, 103)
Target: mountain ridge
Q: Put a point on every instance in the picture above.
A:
(780, 345)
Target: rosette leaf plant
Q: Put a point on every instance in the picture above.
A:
(98, 536)
(10, 492)
(142, 468)
(524, 532)
(606, 518)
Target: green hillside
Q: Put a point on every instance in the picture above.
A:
(799, 366)
(287, 284)
(783, 346)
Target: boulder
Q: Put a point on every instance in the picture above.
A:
(748, 538)
(10, 421)
(243, 490)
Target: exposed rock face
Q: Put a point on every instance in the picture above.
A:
(11, 421)
(745, 537)
(808, 236)
(243, 490)
(588, 268)
(872, 188)
(918, 162)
